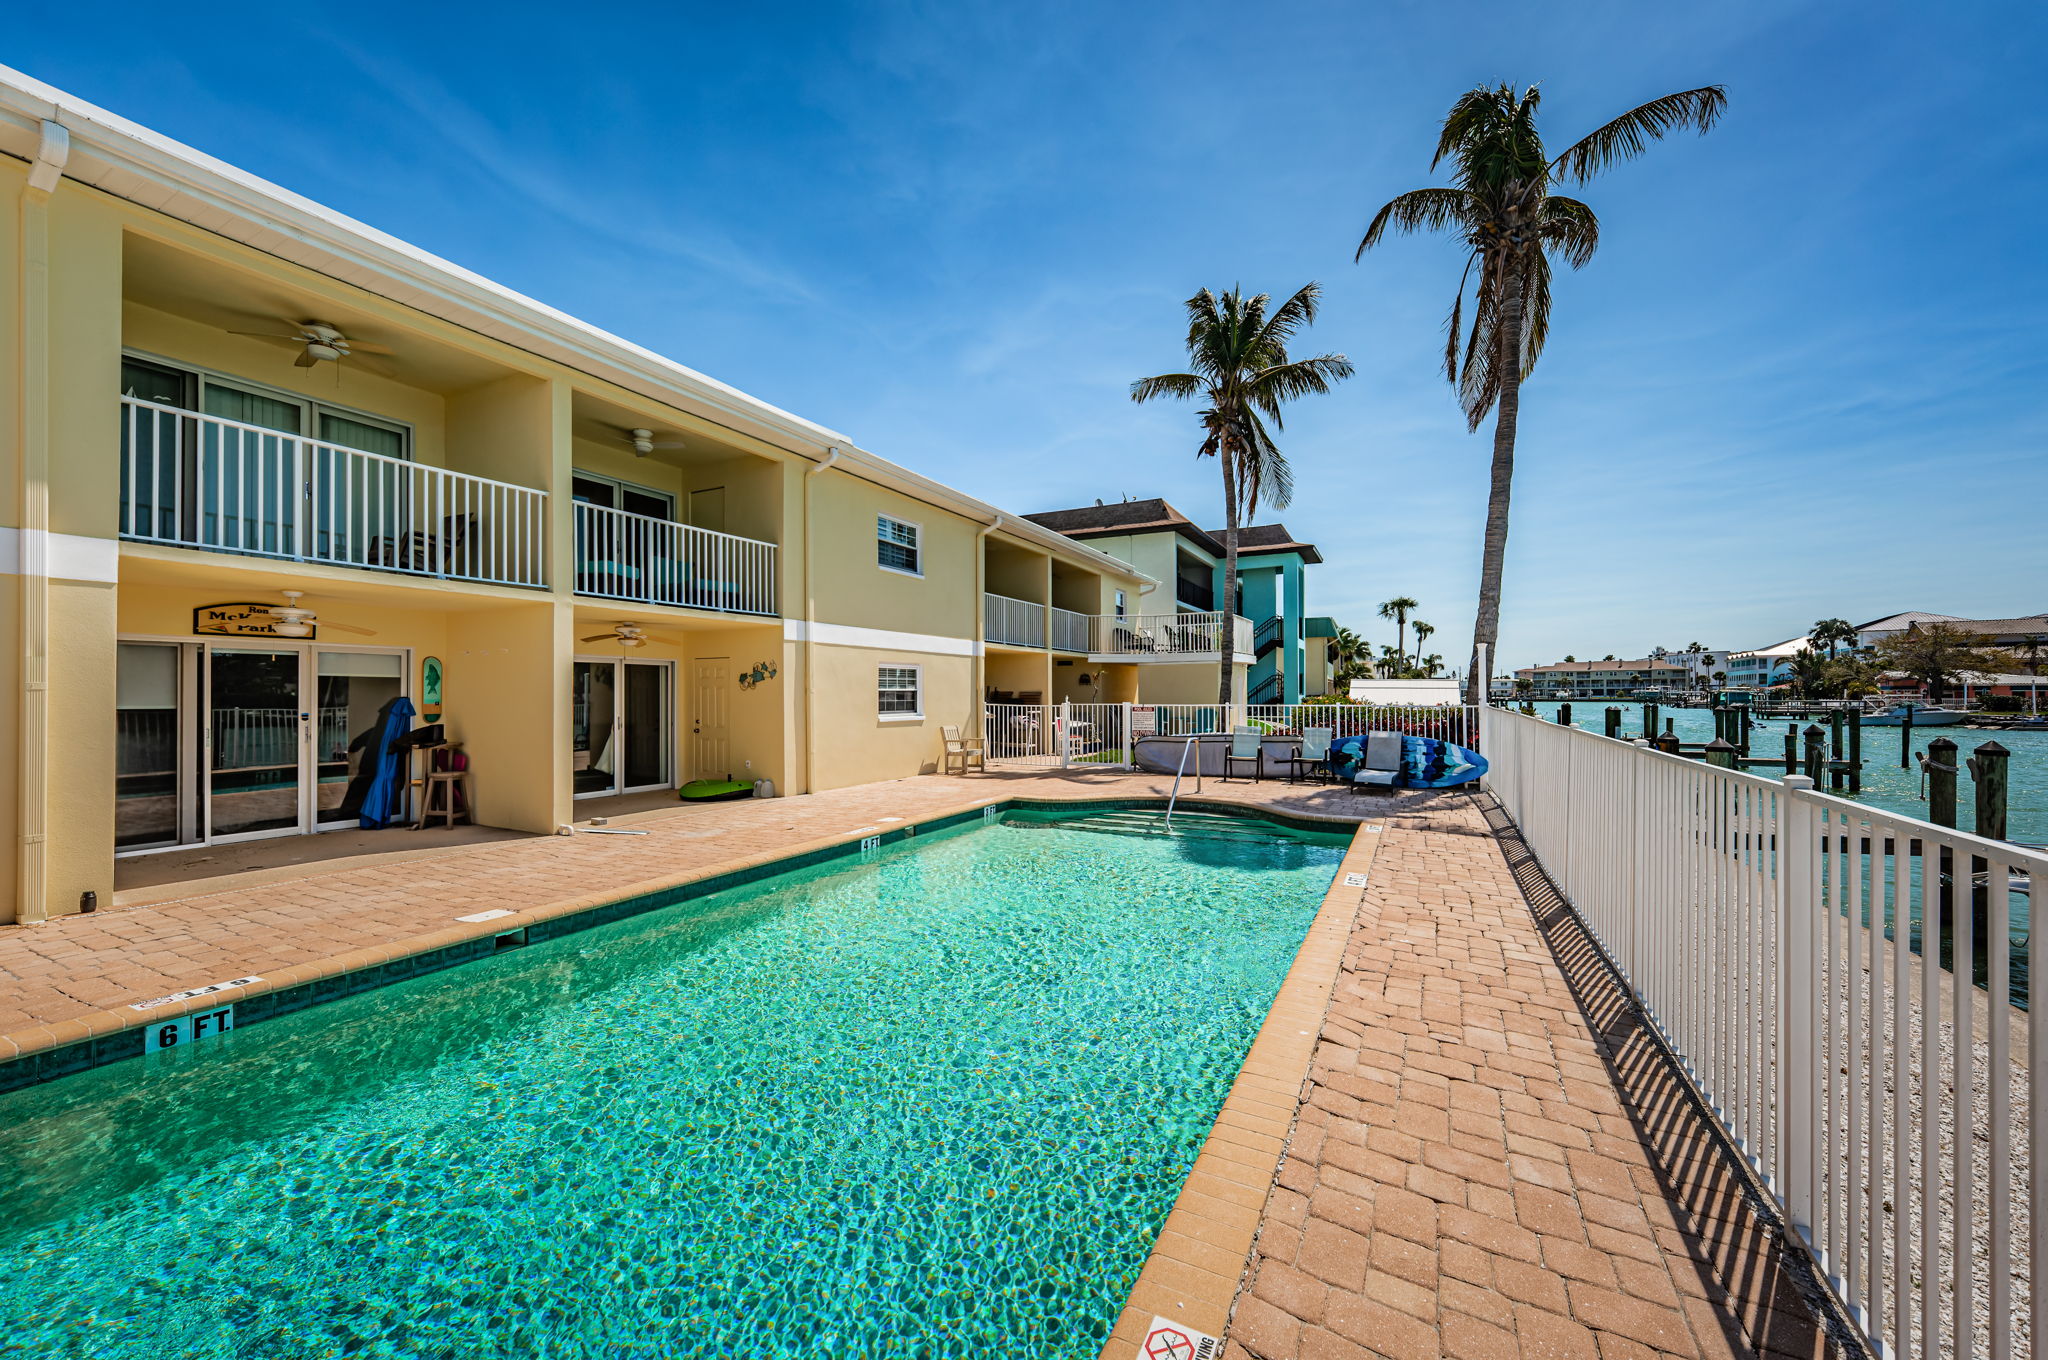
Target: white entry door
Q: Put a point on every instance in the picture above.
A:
(710, 742)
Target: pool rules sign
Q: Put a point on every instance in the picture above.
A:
(1176, 1341)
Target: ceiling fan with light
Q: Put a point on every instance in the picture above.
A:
(295, 621)
(630, 635)
(320, 340)
(644, 442)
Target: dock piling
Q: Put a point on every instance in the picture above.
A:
(1835, 750)
(1856, 750)
(1816, 753)
(1613, 716)
(1564, 715)
(1941, 782)
(1721, 753)
(1988, 774)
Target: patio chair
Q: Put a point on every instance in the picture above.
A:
(1381, 764)
(963, 750)
(1246, 744)
(1314, 753)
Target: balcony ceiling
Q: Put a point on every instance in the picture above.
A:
(607, 423)
(215, 294)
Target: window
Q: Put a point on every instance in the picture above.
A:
(900, 691)
(896, 545)
(1121, 601)
(271, 408)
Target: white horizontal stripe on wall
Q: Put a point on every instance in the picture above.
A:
(845, 635)
(68, 557)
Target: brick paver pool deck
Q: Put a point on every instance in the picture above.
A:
(1450, 1138)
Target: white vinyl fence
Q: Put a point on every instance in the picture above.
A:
(1058, 736)
(1788, 945)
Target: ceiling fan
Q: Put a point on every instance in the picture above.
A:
(293, 621)
(644, 442)
(320, 339)
(630, 635)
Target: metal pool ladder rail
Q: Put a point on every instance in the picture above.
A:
(1185, 747)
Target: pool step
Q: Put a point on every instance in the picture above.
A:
(1152, 822)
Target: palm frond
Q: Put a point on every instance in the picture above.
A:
(1166, 385)
(1535, 308)
(1455, 324)
(1270, 387)
(1434, 209)
(1289, 317)
(1628, 136)
(1569, 228)
(1478, 109)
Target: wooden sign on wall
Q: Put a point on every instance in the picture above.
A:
(241, 620)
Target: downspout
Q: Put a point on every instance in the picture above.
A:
(811, 626)
(980, 668)
(32, 775)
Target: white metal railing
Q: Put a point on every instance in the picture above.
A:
(1057, 736)
(200, 481)
(1168, 634)
(1017, 623)
(1071, 632)
(1788, 945)
(624, 556)
(1446, 722)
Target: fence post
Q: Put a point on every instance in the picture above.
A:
(1066, 726)
(1798, 1152)
(1130, 740)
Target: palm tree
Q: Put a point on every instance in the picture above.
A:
(1397, 610)
(1239, 365)
(2031, 648)
(1422, 632)
(1831, 633)
(1501, 207)
(1348, 651)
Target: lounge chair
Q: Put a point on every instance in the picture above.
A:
(1246, 744)
(1314, 752)
(963, 750)
(1381, 764)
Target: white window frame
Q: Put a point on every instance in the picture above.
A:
(310, 408)
(1123, 601)
(915, 528)
(917, 691)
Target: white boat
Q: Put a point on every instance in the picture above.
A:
(1924, 715)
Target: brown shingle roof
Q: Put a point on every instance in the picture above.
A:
(1260, 538)
(1125, 517)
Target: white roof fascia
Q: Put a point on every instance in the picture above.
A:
(129, 161)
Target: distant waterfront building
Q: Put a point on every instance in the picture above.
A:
(1763, 666)
(1604, 679)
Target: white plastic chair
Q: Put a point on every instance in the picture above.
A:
(1245, 744)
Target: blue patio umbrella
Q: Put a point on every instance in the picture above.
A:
(384, 800)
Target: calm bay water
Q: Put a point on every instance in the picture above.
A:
(1885, 785)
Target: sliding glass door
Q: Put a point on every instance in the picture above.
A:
(621, 726)
(238, 741)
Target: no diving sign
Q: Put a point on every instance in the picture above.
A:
(1176, 1341)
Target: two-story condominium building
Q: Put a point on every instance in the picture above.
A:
(267, 470)
(1161, 542)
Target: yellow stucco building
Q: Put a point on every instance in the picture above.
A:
(601, 570)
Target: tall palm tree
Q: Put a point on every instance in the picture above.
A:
(1501, 207)
(1238, 364)
(1348, 652)
(1397, 610)
(1831, 633)
(1422, 632)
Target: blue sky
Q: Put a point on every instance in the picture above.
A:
(1802, 378)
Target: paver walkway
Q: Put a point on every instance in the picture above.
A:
(1487, 1161)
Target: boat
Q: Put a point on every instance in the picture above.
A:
(1923, 715)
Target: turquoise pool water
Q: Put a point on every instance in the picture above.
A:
(934, 1102)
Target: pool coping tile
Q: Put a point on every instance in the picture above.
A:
(1221, 1204)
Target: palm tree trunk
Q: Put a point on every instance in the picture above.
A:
(1228, 629)
(1507, 411)
(1401, 635)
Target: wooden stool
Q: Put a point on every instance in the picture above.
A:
(446, 795)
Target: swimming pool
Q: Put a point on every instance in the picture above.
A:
(934, 1100)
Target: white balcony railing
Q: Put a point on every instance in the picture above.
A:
(1169, 634)
(198, 481)
(1071, 632)
(624, 556)
(1014, 623)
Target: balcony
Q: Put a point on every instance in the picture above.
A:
(1194, 594)
(624, 556)
(197, 481)
(1071, 632)
(1012, 623)
(1168, 637)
